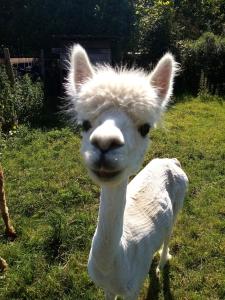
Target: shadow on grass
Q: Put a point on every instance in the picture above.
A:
(166, 283)
(155, 284)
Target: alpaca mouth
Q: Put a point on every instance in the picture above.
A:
(103, 174)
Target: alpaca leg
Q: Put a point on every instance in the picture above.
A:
(3, 265)
(164, 255)
(4, 209)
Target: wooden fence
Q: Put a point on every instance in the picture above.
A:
(10, 62)
(48, 68)
(20, 60)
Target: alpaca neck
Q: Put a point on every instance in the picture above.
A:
(107, 239)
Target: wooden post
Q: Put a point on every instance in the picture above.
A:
(8, 65)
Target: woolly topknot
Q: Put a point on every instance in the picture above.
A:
(93, 90)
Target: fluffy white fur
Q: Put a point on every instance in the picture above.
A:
(119, 88)
(135, 219)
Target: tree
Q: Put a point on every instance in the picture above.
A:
(154, 22)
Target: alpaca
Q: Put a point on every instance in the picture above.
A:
(116, 109)
(10, 232)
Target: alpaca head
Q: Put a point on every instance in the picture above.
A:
(116, 109)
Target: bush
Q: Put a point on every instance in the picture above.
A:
(204, 56)
(19, 103)
(154, 22)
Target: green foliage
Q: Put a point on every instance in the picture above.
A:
(141, 30)
(54, 206)
(192, 30)
(154, 21)
(204, 56)
(19, 103)
(192, 18)
(172, 21)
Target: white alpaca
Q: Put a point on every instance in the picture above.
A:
(116, 109)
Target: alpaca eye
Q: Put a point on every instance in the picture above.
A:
(144, 129)
(86, 125)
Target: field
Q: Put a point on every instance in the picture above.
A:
(53, 205)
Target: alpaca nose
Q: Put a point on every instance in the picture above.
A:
(106, 144)
(106, 140)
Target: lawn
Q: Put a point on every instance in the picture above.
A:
(53, 205)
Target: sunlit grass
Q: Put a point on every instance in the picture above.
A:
(53, 205)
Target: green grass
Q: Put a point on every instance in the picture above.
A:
(53, 205)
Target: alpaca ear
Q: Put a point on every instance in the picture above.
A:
(162, 77)
(81, 68)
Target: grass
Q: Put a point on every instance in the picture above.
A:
(54, 205)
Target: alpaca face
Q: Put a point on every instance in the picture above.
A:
(113, 146)
(116, 109)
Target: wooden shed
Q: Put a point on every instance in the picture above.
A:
(98, 48)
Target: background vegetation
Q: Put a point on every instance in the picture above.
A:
(54, 206)
(139, 30)
(20, 103)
